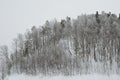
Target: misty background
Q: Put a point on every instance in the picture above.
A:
(18, 15)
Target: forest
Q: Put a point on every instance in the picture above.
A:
(88, 44)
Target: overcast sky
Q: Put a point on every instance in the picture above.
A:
(18, 15)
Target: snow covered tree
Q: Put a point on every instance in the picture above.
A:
(7, 65)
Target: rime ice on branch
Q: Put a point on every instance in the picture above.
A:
(88, 44)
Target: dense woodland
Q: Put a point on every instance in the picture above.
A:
(88, 44)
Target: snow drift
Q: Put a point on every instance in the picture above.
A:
(61, 77)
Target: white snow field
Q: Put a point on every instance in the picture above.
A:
(61, 77)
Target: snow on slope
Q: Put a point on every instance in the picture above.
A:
(60, 77)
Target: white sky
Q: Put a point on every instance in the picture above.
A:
(18, 15)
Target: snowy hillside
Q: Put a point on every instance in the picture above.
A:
(86, 45)
(60, 77)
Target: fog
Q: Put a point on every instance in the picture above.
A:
(18, 15)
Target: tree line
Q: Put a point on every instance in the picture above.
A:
(90, 43)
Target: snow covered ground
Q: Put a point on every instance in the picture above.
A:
(60, 77)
